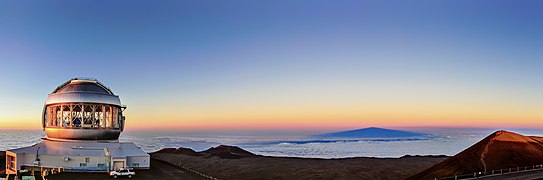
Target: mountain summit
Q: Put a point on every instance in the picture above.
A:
(500, 150)
(371, 132)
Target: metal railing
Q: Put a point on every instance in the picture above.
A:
(196, 172)
(495, 172)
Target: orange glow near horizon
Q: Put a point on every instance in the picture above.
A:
(313, 118)
(301, 124)
(267, 109)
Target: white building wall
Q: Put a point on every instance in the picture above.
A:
(52, 155)
(55, 161)
(143, 161)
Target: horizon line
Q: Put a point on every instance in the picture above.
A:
(307, 128)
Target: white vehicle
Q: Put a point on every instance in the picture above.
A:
(123, 172)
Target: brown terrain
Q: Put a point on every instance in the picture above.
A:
(500, 150)
(230, 162)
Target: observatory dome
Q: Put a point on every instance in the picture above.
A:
(83, 109)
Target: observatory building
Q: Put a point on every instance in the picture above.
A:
(82, 120)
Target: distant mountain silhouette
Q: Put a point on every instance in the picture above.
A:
(372, 132)
(500, 150)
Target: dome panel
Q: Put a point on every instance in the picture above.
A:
(82, 134)
(83, 87)
(75, 97)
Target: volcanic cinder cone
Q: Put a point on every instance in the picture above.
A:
(499, 150)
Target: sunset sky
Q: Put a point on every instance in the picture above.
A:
(206, 65)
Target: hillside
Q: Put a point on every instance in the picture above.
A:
(249, 166)
(227, 152)
(185, 151)
(222, 151)
(501, 149)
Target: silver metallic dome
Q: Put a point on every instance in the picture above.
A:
(83, 109)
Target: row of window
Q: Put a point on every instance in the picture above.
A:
(85, 115)
(11, 163)
(87, 160)
(104, 165)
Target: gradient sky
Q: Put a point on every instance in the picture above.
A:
(280, 64)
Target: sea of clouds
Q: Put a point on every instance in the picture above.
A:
(442, 142)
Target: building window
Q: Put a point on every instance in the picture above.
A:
(87, 159)
(82, 164)
(11, 162)
(135, 164)
(101, 165)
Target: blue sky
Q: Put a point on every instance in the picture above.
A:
(269, 58)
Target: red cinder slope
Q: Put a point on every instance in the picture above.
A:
(228, 152)
(500, 150)
(181, 150)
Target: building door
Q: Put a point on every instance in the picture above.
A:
(118, 164)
